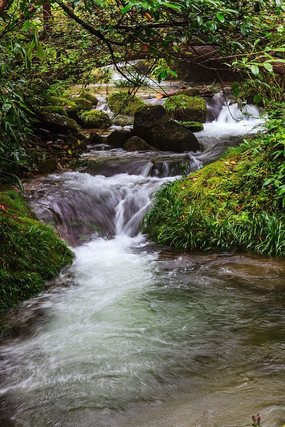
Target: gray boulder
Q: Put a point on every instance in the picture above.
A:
(153, 125)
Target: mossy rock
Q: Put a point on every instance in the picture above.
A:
(186, 108)
(92, 98)
(122, 120)
(122, 103)
(83, 104)
(135, 143)
(57, 123)
(58, 100)
(95, 119)
(26, 246)
(193, 126)
(53, 109)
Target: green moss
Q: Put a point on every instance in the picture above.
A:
(83, 104)
(91, 98)
(186, 108)
(53, 109)
(193, 126)
(228, 204)
(122, 103)
(30, 252)
(95, 119)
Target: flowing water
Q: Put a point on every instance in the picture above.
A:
(133, 335)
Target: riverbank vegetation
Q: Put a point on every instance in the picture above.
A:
(49, 45)
(31, 253)
(237, 202)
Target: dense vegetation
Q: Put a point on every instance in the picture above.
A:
(235, 202)
(48, 45)
(30, 252)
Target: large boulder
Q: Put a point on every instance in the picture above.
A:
(153, 125)
(187, 108)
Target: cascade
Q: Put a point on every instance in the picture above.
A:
(132, 335)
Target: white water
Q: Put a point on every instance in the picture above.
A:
(140, 336)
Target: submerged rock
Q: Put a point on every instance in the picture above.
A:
(153, 125)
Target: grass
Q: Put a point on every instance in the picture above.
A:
(237, 202)
(30, 252)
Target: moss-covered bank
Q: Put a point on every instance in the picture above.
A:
(30, 252)
(237, 202)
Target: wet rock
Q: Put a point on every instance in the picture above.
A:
(118, 137)
(153, 125)
(135, 143)
(95, 138)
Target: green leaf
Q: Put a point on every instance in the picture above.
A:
(127, 8)
(257, 98)
(254, 69)
(220, 17)
(268, 66)
(40, 51)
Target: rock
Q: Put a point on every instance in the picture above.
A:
(94, 139)
(193, 126)
(135, 143)
(92, 98)
(123, 103)
(122, 120)
(187, 108)
(153, 125)
(53, 109)
(83, 104)
(47, 165)
(190, 91)
(118, 137)
(57, 123)
(95, 119)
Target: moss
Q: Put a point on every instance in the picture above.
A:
(186, 108)
(122, 103)
(30, 252)
(95, 119)
(91, 98)
(83, 104)
(193, 126)
(227, 204)
(53, 109)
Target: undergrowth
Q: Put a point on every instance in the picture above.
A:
(236, 202)
(30, 252)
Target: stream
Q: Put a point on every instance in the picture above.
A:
(139, 336)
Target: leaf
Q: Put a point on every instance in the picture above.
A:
(220, 17)
(40, 51)
(268, 66)
(127, 8)
(257, 98)
(254, 69)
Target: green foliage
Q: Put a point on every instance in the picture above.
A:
(124, 103)
(30, 252)
(236, 202)
(186, 108)
(193, 126)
